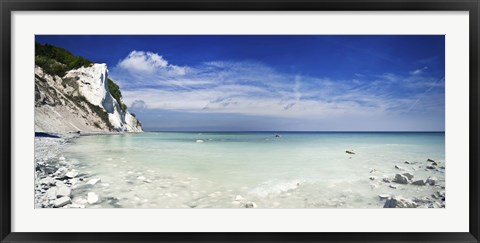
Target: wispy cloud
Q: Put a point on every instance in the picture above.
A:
(252, 88)
(418, 71)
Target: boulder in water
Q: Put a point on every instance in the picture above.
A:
(408, 175)
(390, 203)
(401, 179)
(431, 181)
(419, 183)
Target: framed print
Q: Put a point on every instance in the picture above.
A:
(239, 121)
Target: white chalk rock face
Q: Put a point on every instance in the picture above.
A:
(92, 82)
(93, 85)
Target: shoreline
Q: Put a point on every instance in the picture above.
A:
(60, 183)
(56, 179)
(48, 167)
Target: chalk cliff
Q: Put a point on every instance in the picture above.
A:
(79, 100)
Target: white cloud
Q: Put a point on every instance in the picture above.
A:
(251, 88)
(149, 63)
(138, 104)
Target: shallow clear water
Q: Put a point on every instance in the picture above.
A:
(296, 170)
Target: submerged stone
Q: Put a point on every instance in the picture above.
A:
(61, 202)
(92, 198)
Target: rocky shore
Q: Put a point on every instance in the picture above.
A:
(405, 179)
(56, 181)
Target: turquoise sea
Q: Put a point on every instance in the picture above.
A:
(227, 169)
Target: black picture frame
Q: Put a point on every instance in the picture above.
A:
(8, 6)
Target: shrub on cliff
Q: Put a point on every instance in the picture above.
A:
(56, 60)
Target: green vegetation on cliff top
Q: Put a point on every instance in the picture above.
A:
(55, 60)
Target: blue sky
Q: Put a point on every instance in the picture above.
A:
(281, 83)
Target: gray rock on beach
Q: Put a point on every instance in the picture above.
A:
(399, 202)
(62, 202)
(92, 198)
(408, 175)
(431, 181)
(93, 181)
(401, 179)
(250, 205)
(419, 183)
(71, 174)
(384, 196)
(49, 181)
(63, 191)
(51, 193)
(61, 171)
(390, 203)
